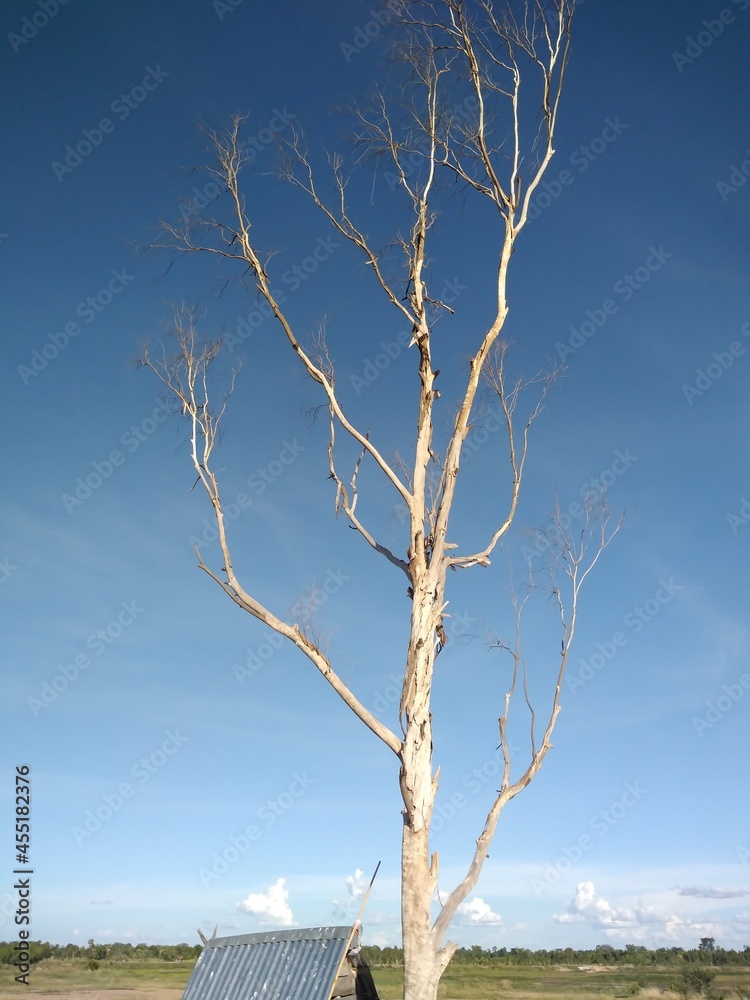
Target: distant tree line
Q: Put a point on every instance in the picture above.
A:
(92, 952)
(706, 954)
(603, 954)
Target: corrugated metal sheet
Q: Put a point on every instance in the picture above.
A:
(280, 965)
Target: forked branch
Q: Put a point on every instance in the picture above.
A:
(186, 375)
(230, 156)
(574, 557)
(508, 397)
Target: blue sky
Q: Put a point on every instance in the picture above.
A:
(221, 780)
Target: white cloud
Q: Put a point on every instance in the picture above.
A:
(586, 907)
(356, 884)
(271, 907)
(643, 923)
(476, 912)
(356, 887)
(712, 892)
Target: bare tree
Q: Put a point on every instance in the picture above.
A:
(507, 64)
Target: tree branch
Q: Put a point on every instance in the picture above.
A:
(186, 375)
(570, 557)
(495, 376)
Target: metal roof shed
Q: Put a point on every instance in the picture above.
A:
(299, 964)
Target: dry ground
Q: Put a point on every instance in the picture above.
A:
(139, 993)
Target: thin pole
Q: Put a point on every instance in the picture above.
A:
(364, 901)
(354, 927)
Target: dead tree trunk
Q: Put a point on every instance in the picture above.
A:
(483, 46)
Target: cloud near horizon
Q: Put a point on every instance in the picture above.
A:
(712, 892)
(633, 923)
(270, 907)
(587, 907)
(478, 913)
(356, 885)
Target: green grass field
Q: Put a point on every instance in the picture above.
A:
(54, 976)
(529, 983)
(72, 976)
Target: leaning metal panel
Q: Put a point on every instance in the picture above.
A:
(299, 964)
